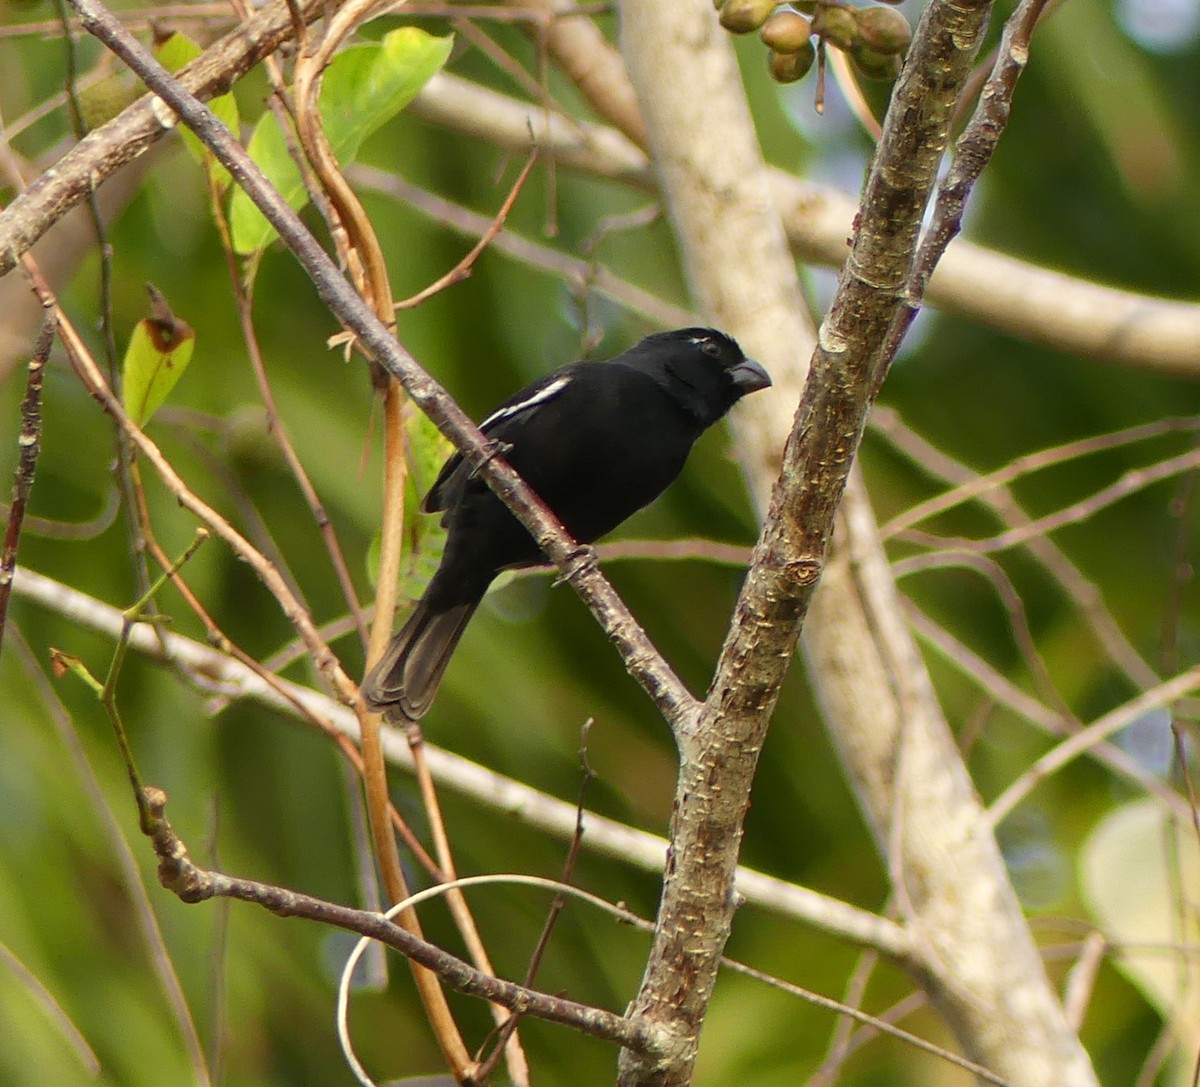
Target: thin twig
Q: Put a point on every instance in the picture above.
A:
(1007, 694)
(29, 445)
(580, 274)
(1011, 600)
(1058, 757)
(1085, 594)
(1130, 482)
(179, 874)
(980, 486)
(462, 269)
(53, 529)
(278, 431)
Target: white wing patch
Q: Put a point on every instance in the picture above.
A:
(539, 397)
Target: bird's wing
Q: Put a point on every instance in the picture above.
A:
(502, 425)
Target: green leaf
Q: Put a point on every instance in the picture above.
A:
(364, 86)
(159, 351)
(424, 536)
(427, 452)
(173, 53)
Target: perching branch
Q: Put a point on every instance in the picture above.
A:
(640, 656)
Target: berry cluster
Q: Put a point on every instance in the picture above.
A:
(875, 38)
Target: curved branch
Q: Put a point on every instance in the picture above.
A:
(179, 874)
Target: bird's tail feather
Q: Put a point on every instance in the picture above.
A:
(407, 676)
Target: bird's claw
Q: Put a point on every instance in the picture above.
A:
(495, 448)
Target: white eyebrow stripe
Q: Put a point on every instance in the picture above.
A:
(539, 397)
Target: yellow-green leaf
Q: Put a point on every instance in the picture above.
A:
(363, 87)
(159, 351)
(424, 536)
(173, 53)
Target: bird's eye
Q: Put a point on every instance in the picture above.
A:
(710, 348)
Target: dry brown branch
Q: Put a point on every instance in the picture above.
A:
(193, 884)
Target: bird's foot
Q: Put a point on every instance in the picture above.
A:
(495, 448)
(582, 558)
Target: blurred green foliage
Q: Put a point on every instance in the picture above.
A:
(1097, 176)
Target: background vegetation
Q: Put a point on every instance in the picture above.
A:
(1096, 177)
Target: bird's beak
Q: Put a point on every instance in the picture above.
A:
(749, 376)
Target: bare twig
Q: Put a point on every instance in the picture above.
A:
(984, 485)
(1070, 749)
(1130, 482)
(1010, 598)
(1041, 716)
(52, 529)
(29, 444)
(193, 884)
(1084, 593)
(463, 268)
(279, 433)
(579, 274)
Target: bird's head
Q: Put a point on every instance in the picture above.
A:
(705, 370)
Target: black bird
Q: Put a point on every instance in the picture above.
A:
(596, 441)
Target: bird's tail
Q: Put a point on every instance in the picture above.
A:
(407, 676)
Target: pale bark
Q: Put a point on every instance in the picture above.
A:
(979, 962)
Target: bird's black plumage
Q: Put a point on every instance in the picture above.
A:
(596, 441)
